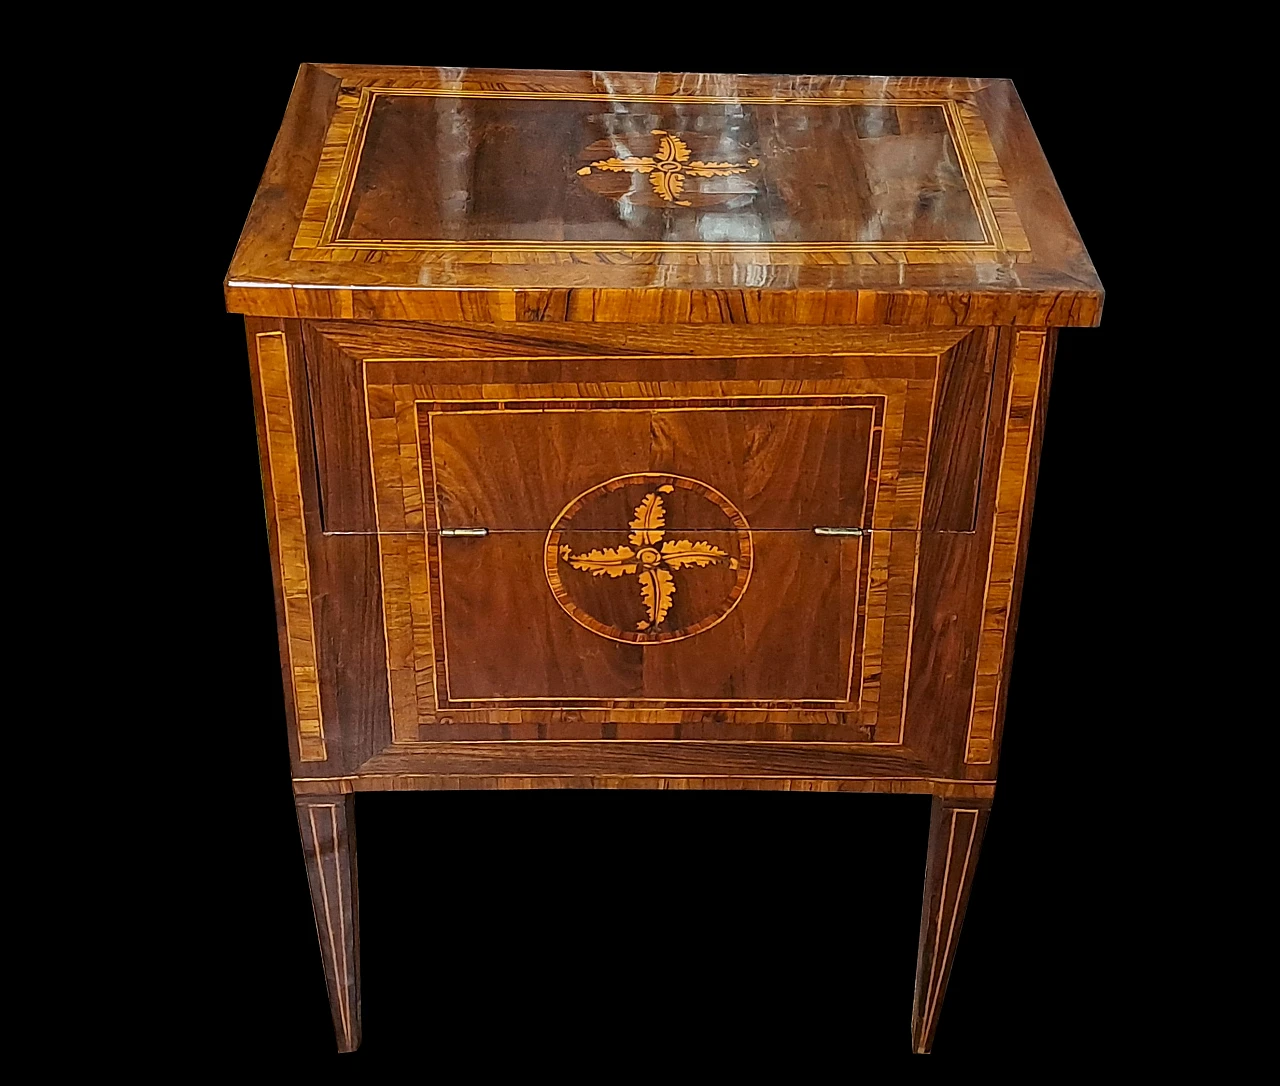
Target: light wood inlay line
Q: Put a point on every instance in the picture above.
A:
(873, 620)
(937, 976)
(411, 780)
(342, 927)
(1015, 461)
(339, 962)
(937, 936)
(389, 590)
(291, 540)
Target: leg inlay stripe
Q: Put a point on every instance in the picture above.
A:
(339, 960)
(948, 910)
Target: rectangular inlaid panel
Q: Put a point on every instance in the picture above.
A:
(652, 552)
(646, 554)
(423, 169)
(795, 462)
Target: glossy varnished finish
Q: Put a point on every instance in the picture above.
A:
(747, 427)
(512, 161)
(874, 431)
(440, 194)
(470, 300)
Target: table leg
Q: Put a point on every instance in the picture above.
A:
(955, 836)
(327, 826)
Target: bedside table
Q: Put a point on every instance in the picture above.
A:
(650, 431)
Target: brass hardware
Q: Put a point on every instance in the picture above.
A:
(453, 533)
(837, 531)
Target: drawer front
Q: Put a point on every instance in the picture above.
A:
(653, 560)
(651, 568)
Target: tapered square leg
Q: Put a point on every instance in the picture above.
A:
(955, 836)
(327, 826)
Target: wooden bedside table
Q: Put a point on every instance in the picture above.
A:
(650, 431)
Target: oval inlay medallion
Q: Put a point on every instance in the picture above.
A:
(649, 558)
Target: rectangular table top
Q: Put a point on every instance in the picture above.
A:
(486, 195)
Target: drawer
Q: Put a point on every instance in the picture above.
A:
(650, 545)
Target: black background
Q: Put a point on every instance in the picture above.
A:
(593, 931)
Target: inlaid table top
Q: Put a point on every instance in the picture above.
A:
(470, 194)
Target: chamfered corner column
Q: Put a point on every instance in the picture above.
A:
(327, 825)
(955, 836)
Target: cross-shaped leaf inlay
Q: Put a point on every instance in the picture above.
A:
(669, 167)
(650, 557)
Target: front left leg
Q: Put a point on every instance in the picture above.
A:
(955, 836)
(327, 826)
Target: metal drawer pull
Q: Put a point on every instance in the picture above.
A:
(837, 531)
(453, 533)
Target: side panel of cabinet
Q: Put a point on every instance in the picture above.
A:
(328, 591)
(969, 583)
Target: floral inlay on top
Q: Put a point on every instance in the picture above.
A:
(668, 168)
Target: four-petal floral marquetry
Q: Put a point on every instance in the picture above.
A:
(650, 557)
(668, 169)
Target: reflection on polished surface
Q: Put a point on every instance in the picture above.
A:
(494, 194)
(668, 431)
(558, 170)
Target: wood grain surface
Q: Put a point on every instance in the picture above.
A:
(434, 194)
(493, 449)
(327, 827)
(382, 650)
(550, 171)
(1010, 502)
(956, 829)
(345, 591)
(642, 335)
(282, 479)
(405, 356)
